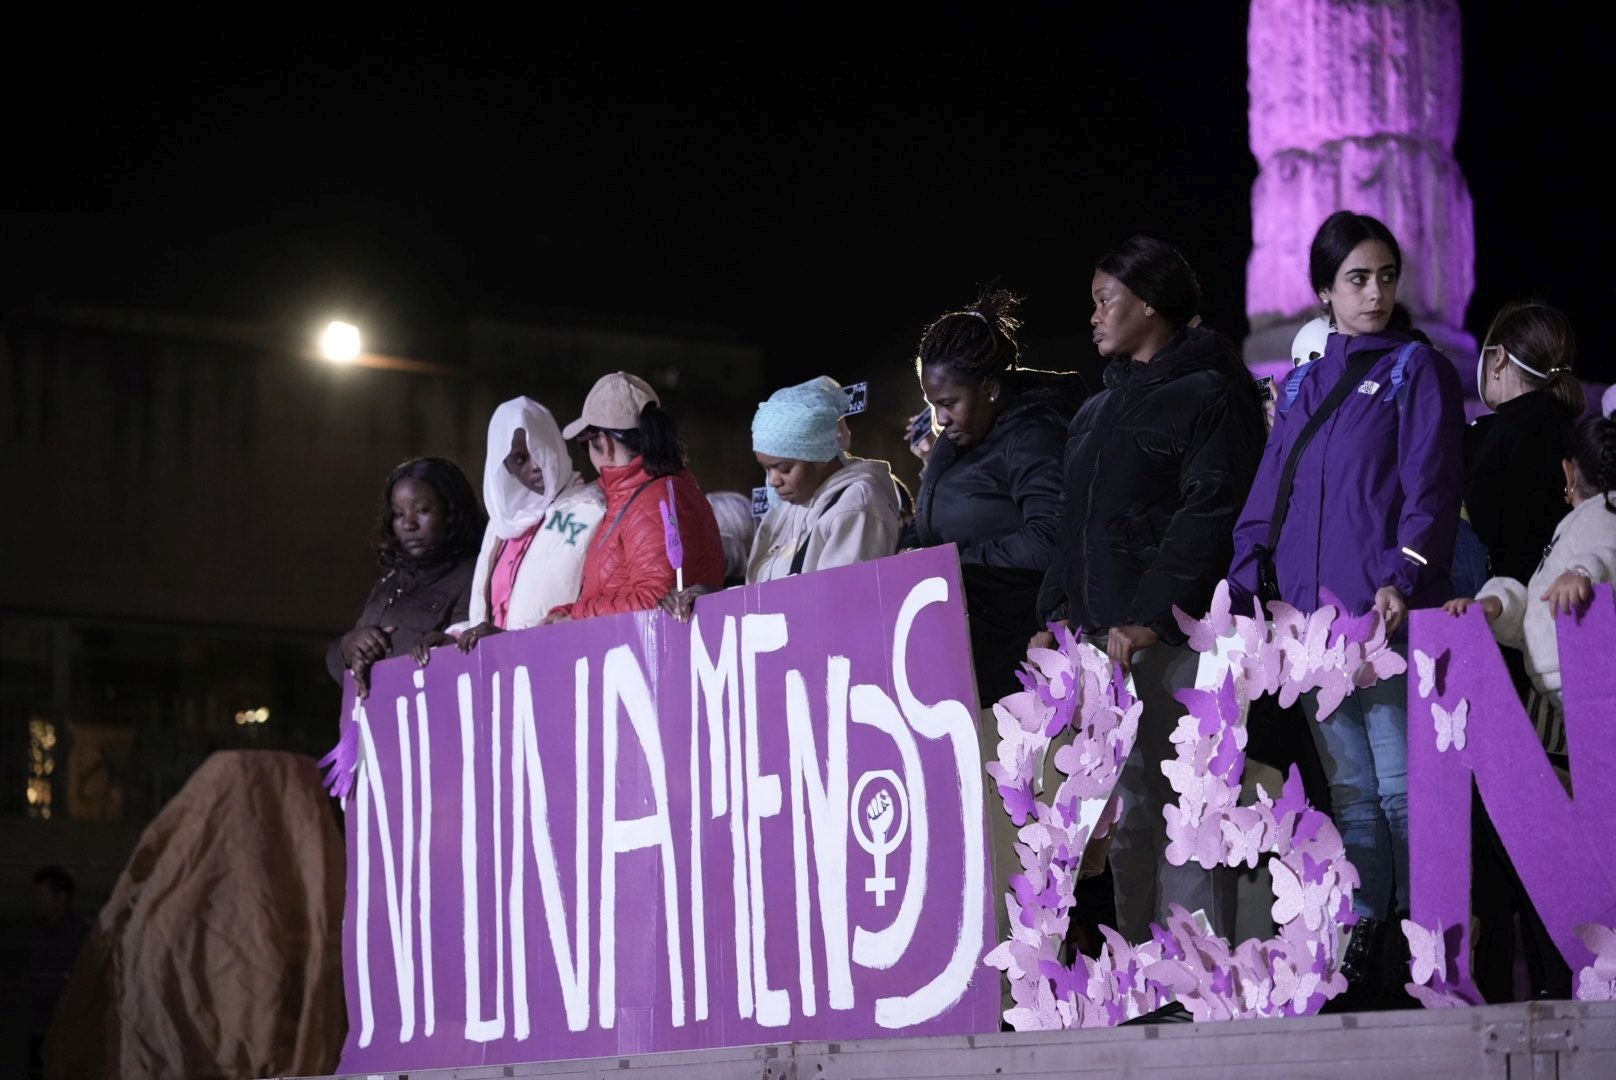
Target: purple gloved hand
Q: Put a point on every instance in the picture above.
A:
(339, 764)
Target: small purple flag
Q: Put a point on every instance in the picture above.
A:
(670, 535)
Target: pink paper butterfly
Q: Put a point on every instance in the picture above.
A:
(1597, 982)
(1425, 667)
(1428, 953)
(1450, 726)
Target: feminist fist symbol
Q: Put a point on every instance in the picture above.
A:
(878, 838)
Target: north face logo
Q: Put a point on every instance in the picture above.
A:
(569, 526)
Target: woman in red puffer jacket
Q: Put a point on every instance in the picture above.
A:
(635, 447)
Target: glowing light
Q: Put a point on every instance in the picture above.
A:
(253, 716)
(340, 343)
(41, 766)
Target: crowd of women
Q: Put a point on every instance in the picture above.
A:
(1102, 509)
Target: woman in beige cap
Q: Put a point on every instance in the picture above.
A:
(636, 448)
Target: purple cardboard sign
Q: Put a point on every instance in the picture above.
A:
(1465, 721)
(627, 835)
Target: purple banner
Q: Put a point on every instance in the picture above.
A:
(1466, 723)
(627, 835)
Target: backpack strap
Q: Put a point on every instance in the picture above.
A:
(1267, 576)
(1293, 385)
(607, 535)
(1398, 371)
(808, 534)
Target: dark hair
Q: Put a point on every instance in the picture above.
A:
(463, 523)
(1155, 272)
(976, 344)
(1403, 319)
(1341, 232)
(1543, 338)
(1593, 448)
(59, 880)
(656, 440)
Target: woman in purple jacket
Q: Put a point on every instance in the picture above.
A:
(1358, 493)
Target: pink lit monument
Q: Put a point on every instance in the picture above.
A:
(1355, 105)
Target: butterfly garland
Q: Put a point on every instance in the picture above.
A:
(1074, 687)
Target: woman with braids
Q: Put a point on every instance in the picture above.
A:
(991, 485)
(427, 537)
(1358, 494)
(1157, 466)
(636, 448)
(1512, 455)
(992, 482)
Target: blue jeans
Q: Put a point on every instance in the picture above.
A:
(1469, 571)
(1364, 748)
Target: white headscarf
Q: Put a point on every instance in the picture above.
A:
(513, 508)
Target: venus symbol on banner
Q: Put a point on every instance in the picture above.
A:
(878, 838)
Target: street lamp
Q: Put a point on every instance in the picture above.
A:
(340, 343)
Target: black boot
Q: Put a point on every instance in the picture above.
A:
(1395, 969)
(1360, 965)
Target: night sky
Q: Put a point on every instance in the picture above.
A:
(801, 177)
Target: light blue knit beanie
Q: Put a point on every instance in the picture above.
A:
(799, 422)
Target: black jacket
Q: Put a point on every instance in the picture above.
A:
(1513, 483)
(1000, 502)
(1157, 468)
(414, 601)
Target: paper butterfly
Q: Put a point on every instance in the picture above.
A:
(1427, 951)
(1294, 986)
(1598, 981)
(1426, 667)
(1294, 897)
(1450, 726)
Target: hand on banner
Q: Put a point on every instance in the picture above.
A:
(1124, 641)
(469, 638)
(1489, 606)
(555, 617)
(1569, 593)
(364, 645)
(429, 641)
(681, 602)
(1392, 607)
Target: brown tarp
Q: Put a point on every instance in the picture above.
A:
(220, 951)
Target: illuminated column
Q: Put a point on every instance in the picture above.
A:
(1355, 106)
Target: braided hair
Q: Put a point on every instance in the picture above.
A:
(975, 344)
(1593, 449)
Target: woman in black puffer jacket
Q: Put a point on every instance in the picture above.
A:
(1157, 467)
(992, 484)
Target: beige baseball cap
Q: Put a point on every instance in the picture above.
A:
(614, 403)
